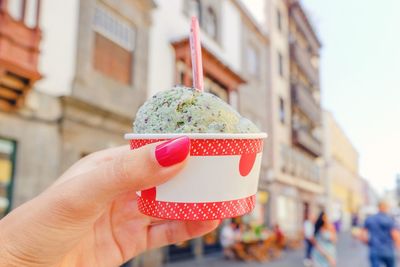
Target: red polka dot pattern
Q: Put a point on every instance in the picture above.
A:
(196, 211)
(213, 147)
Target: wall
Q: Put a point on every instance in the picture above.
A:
(281, 133)
(81, 123)
(278, 133)
(97, 89)
(59, 23)
(253, 95)
(342, 149)
(36, 131)
(162, 56)
(345, 187)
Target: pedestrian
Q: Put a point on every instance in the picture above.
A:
(380, 234)
(280, 238)
(308, 230)
(354, 220)
(324, 252)
(89, 216)
(228, 239)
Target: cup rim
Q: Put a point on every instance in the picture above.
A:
(262, 135)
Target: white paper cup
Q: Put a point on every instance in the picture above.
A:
(219, 181)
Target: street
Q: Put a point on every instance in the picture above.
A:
(350, 254)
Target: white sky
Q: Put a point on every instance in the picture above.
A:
(360, 72)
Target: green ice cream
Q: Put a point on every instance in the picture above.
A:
(185, 110)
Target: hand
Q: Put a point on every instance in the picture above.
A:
(332, 262)
(89, 216)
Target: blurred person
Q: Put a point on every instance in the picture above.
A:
(355, 220)
(338, 224)
(355, 228)
(89, 216)
(228, 239)
(279, 236)
(324, 252)
(308, 230)
(380, 234)
(239, 230)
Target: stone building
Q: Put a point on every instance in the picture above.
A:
(294, 177)
(101, 69)
(112, 55)
(93, 79)
(110, 76)
(344, 186)
(28, 118)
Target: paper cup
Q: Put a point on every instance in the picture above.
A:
(219, 181)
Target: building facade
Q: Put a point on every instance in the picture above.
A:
(294, 175)
(345, 188)
(106, 70)
(28, 118)
(93, 78)
(110, 76)
(112, 55)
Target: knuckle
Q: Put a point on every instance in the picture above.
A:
(69, 209)
(170, 235)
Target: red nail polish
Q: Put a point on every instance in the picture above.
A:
(173, 151)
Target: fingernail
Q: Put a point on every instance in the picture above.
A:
(173, 151)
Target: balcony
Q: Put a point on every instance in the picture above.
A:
(305, 140)
(297, 164)
(303, 59)
(19, 53)
(303, 24)
(302, 98)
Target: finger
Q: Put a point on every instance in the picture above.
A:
(134, 170)
(172, 232)
(126, 209)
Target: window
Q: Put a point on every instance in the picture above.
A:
(114, 28)
(234, 99)
(279, 19)
(114, 44)
(280, 64)
(315, 62)
(282, 113)
(180, 72)
(23, 10)
(215, 88)
(15, 8)
(7, 160)
(253, 61)
(211, 23)
(31, 13)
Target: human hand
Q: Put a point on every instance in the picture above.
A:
(89, 216)
(332, 262)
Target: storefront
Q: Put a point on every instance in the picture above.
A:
(206, 245)
(7, 162)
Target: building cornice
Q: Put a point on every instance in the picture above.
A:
(249, 18)
(296, 5)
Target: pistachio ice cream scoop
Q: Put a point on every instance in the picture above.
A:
(186, 110)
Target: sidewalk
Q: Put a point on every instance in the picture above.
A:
(350, 254)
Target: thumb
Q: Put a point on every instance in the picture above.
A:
(135, 170)
(60, 216)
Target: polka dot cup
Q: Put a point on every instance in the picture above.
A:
(219, 181)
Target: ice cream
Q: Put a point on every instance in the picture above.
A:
(186, 110)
